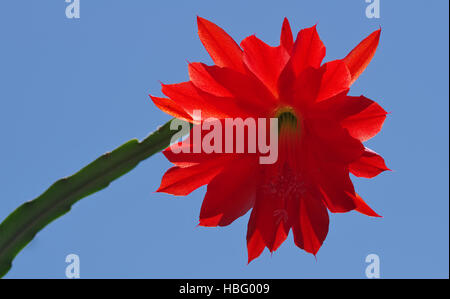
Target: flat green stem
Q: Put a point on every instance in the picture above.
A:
(20, 227)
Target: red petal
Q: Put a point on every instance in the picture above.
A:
(171, 108)
(363, 208)
(299, 90)
(184, 180)
(367, 122)
(336, 79)
(190, 98)
(286, 38)
(221, 47)
(281, 234)
(264, 61)
(311, 222)
(326, 178)
(255, 243)
(359, 58)
(203, 80)
(308, 50)
(230, 194)
(250, 94)
(336, 188)
(286, 83)
(362, 117)
(187, 157)
(268, 214)
(333, 142)
(307, 86)
(369, 165)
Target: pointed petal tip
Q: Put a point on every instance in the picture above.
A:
(211, 221)
(202, 22)
(373, 214)
(316, 250)
(286, 38)
(222, 48)
(363, 208)
(199, 19)
(359, 58)
(286, 23)
(313, 27)
(164, 190)
(368, 211)
(312, 251)
(378, 33)
(153, 98)
(251, 259)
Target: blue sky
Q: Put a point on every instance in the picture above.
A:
(74, 89)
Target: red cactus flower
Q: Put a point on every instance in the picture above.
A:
(320, 140)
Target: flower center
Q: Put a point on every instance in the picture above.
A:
(287, 120)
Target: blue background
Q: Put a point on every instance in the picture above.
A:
(71, 90)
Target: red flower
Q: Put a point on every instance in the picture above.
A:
(320, 141)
